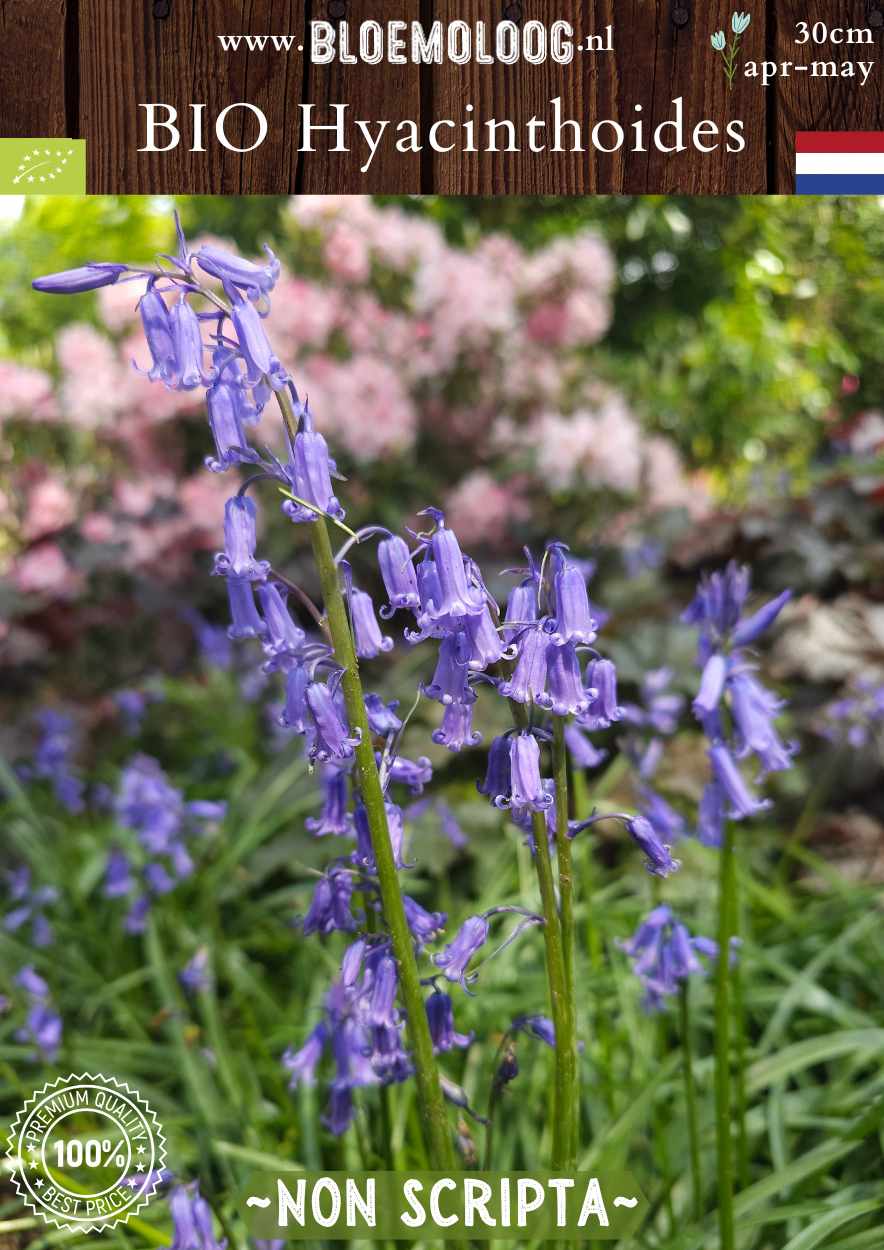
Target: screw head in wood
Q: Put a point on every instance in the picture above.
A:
(337, 9)
(680, 15)
(513, 12)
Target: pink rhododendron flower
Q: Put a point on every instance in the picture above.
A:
(578, 320)
(666, 483)
(201, 499)
(44, 571)
(117, 305)
(563, 444)
(150, 545)
(502, 254)
(468, 302)
(601, 448)
(98, 527)
(577, 262)
(319, 210)
(364, 406)
(94, 377)
(546, 323)
(137, 496)
(50, 507)
(483, 510)
(25, 393)
(303, 315)
(587, 317)
(616, 459)
(346, 254)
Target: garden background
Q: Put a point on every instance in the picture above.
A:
(663, 383)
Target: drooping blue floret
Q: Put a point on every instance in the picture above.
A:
(664, 954)
(440, 1014)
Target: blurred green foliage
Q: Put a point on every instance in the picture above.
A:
(59, 233)
(736, 319)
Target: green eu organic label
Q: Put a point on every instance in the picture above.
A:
(473, 1206)
(42, 166)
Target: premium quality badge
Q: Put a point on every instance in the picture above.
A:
(87, 1152)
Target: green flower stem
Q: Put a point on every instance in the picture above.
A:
(382, 1126)
(563, 845)
(738, 928)
(690, 1097)
(434, 1118)
(563, 1153)
(494, 1094)
(724, 1143)
(662, 1047)
(433, 1114)
(740, 1060)
(566, 903)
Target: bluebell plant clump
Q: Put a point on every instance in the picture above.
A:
(664, 954)
(43, 1024)
(192, 1223)
(735, 711)
(538, 654)
(538, 657)
(736, 714)
(162, 822)
(29, 902)
(53, 759)
(132, 706)
(856, 716)
(28, 919)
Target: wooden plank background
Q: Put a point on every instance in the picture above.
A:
(80, 68)
(33, 84)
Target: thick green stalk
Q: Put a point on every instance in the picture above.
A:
(563, 1087)
(739, 1017)
(434, 1117)
(494, 1093)
(565, 1061)
(563, 845)
(566, 905)
(725, 1150)
(690, 1098)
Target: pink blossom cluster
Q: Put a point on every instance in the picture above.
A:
(116, 478)
(489, 344)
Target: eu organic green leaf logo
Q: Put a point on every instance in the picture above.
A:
(42, 166)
